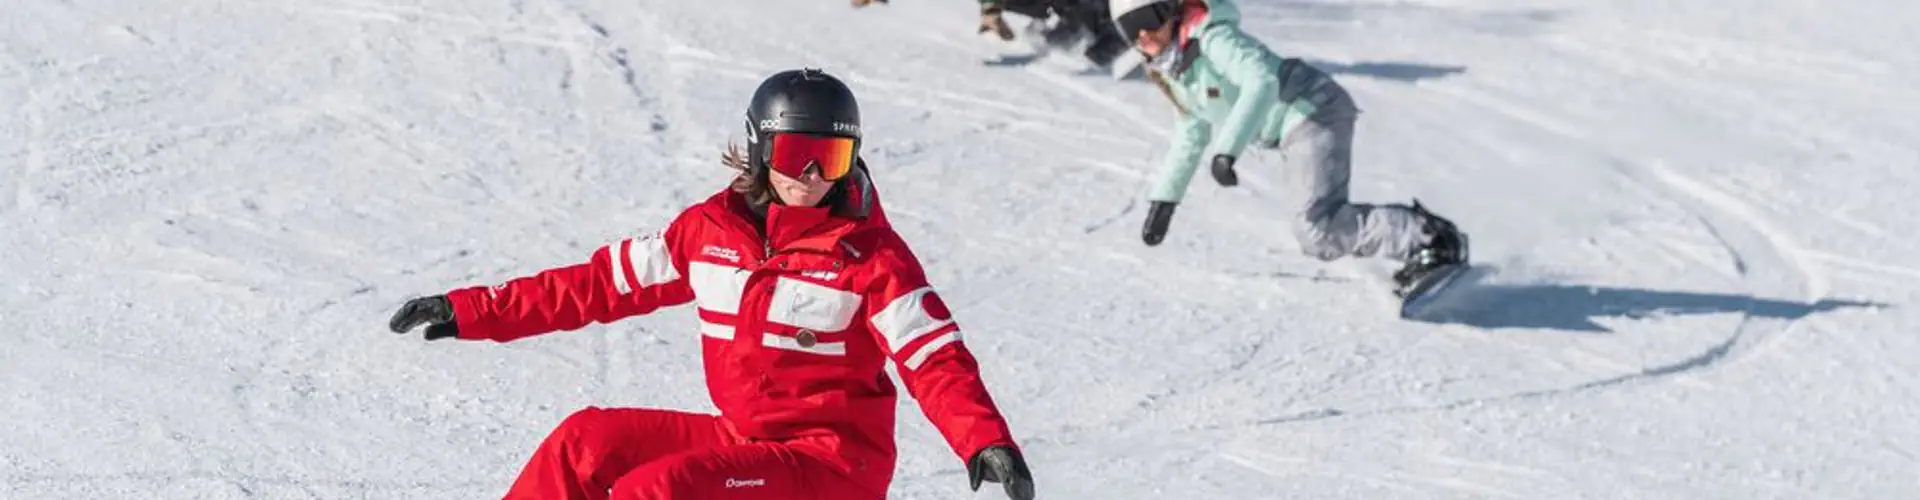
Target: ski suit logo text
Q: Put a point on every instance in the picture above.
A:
(747, 483)
(722, 252)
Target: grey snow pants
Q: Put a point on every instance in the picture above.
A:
(1316, 166)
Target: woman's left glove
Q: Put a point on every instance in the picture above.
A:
(1001, 464)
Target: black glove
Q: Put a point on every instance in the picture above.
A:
(436, 311)
(1001, 464)
(1158, 217)
(1223, 171)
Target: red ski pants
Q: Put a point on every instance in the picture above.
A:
(626, 453)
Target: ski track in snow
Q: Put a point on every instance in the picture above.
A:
(24, 197)
(215, 207)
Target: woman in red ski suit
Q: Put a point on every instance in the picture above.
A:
(804, 293)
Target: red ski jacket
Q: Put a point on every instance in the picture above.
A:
(795, 326)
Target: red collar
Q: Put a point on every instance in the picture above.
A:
(789, 228)
(1194, 14)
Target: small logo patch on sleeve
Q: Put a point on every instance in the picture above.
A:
(936, 308)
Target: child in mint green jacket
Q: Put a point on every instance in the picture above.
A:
(1232, 93)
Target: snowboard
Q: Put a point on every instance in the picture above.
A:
(1422, 293)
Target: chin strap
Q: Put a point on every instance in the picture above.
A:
(852, 196)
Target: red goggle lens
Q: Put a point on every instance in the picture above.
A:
(792, 154)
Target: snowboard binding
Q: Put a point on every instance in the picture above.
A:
(1441, 257)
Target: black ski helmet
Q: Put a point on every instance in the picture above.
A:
(808, 101)
(801, 100)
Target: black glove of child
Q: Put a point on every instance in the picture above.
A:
(1158, 217)
(1223, 171)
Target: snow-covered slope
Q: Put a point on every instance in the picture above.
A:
(1696, 221)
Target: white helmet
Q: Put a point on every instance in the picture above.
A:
(1133, 16)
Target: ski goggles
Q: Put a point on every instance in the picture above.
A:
(1145, 18)
(793, 153)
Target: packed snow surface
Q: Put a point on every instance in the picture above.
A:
(1694, 221)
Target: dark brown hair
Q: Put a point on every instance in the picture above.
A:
(752, 185)
(1160, 81)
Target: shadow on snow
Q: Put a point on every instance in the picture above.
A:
(1574, 307)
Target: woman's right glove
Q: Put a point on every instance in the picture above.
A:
(435, 311)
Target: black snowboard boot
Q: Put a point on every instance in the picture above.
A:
(1104, 42)
(1105, 49)
(1445, 246)
(1063, 34)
